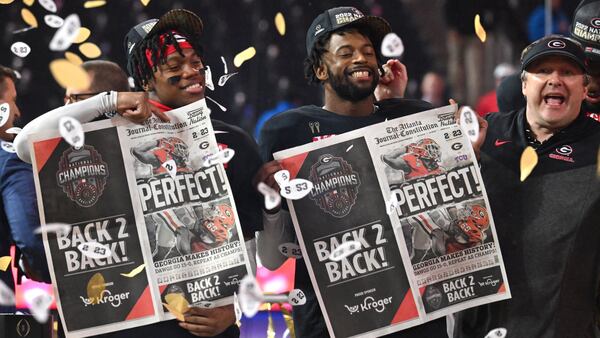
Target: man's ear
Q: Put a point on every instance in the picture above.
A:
(321, 71)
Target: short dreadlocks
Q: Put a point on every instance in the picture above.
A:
(141, 71)
(314, 59)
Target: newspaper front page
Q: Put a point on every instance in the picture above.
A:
(135, 195)
(410, 192)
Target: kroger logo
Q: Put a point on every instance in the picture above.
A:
(106, 297)
(368, 304)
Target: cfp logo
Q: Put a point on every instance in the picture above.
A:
(556, 44)
(23, 328)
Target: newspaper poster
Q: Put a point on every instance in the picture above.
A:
(410, 192)
(150, 196)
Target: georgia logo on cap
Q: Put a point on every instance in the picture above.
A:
(595, 22)
(556, 44)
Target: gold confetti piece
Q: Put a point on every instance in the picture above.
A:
(82, 35)
(177, 305)
(529, 159)
(6, 2)
(270, 326)
(134, 272)
(90, 50)
(73, 58)
(95, 287)
(244, 56)
(145, 2)
(94, 4)
(289, 321)
(5, 262)
(280, 23)
(479, 30)
(28, 2)
(29, 18)
(70, 75)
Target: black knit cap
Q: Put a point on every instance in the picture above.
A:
(586, 27)
(176, 19)
(554, 45)
(338, 17)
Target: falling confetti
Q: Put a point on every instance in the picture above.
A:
(392, 46)
(479, 30)
(94, 250)
(72, 131)
(5, 262)
(270, 325)
(223, 79)
(208, 81)
(344, 250)
(7, 295)
(4, 113)
(82, 35)
(39, 303)
(73, 58)
(177, 305)
(236, 308)
(280, 23)
(94, 4)
(244, 56)
(49, 5)
(272, 198)
(290, 250)
(134, 272)
(29, 18)
(64, 36)
(392, 204)
(145, 2)
(6, 2)
(349, 148)
(28, 2)
(529, 160)
(12, 130)
(224, 65)
(8, 147)
(61, 229)
(469, 123)
(297, 297)
(250, 296)
(217, 103)
(223, 156)
(95, 288)
(70, 75)
(296, 189)
(53, 21)
(497, 333)
(282, 177)
(20, 49)
(90, 50)
(171, 168)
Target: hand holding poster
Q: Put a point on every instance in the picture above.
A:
(434, 252)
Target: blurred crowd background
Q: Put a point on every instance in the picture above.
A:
(443, 55)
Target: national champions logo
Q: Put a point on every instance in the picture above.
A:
(335, 185)
(82, 175)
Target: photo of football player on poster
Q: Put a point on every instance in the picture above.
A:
(417, 159)
(156, 152)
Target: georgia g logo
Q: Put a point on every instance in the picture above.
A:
(556, 44)
(595, 22)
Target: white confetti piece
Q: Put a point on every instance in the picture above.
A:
(8, 147)
(70, 129)
(4, 113)
(49, 5)
(171, 168)
(64, 36)
(13, 130)
(497, 333)
(272, 198)
(53, 21)
(20, 49)
(282, 177)
(223, 157)
(7, 296)
(392, 46)
(350, 147)
(236, 307)
(218, 104)
(344, 250)
(296, 189)
(94, 250)
(39, 303)
(223, 79)
(290, 250)
(206, 304)
(224, 65)
(208, 81)
(297, 297)
(469, 123)
(250, 296)
(60, 229)
(391, 204)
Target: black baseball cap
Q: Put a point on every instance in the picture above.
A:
(338, 17)
(180, 20)
(553, 45)
(586, 27)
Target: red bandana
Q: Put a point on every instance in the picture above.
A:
(181, 40)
